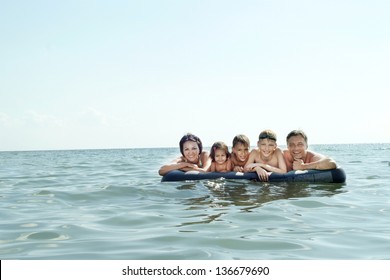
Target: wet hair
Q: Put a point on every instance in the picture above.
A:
(219, 146)
(297, 132)
(267, 134)
(193, 138)
(241, 138)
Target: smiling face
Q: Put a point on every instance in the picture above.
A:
(220, 156)
(297, 147)
(191, 151)
(241, 152)
(266, 147)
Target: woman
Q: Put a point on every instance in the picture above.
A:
(193, 158)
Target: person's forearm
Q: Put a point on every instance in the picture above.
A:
(271, 168)
(323, 164)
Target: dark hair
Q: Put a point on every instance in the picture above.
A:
(193, 138)
(241, 138)
(297, 132)
(267, 134)
(219, 146)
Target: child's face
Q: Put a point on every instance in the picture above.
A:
(267, 147)
(241, 151)
(220, 156)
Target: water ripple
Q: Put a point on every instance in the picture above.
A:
(110, 204)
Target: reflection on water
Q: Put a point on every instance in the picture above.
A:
(254, 194)
(220, 195)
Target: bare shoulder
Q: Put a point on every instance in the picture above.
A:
(287, 155)
(206, 159)
(254, 153)
(178, 160)
(313, 156)
(279, 151)
(323, 162)
(205, 154)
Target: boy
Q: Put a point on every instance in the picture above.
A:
(267, 157)
(240, 152)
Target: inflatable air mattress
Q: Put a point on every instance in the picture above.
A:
(311, 176)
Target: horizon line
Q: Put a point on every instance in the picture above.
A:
(165, 147)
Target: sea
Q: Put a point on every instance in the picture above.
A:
(111, 205)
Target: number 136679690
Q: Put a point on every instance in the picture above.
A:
(242, 270)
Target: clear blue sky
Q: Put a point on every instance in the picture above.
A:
(127, 74)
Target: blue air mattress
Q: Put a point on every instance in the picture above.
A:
(311, 176)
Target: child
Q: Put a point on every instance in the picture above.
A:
(267, 157)
(240, 152)
(220, 158)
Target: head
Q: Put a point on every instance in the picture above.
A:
(267, 142)
(219, 152)
(241, 139)
(240, 147)
(190, 143)
(267, 134)
(297, 144)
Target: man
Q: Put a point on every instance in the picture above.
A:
(298, 157)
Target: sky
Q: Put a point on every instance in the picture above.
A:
(90, 74)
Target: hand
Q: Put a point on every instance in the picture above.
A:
(238, 169)
(263, 175)
(252, 167)
(188, 166)
(298, 164)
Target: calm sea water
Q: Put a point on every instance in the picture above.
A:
(110, 204)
